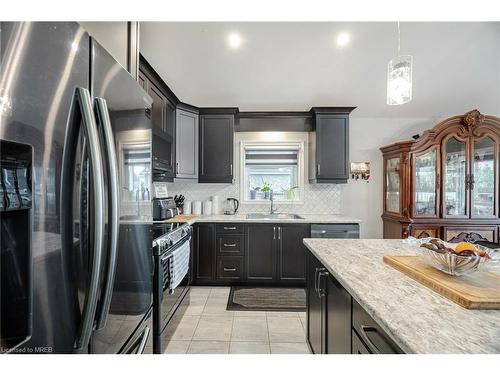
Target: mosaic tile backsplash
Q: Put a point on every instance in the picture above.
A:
(319, 198)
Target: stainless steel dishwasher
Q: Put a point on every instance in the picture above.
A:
(334, 230)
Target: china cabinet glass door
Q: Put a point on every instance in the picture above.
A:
(425, 184)
(482, 180)
(455, 172)
(392, 183)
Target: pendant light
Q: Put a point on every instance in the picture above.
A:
(399, 80)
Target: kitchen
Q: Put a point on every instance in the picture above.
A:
(190, 188)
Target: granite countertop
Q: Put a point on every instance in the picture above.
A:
(415, 317)
(307, 218)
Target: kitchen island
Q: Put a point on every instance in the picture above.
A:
(416, 318)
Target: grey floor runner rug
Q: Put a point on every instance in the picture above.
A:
(266, 299)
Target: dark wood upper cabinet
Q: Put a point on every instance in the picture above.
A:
(292, 252)
(260, 252)
(158, 107)
(163, 117)
(329, 145)
(216, 144)
(204, 249)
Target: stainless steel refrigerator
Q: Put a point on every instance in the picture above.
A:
(63, 95)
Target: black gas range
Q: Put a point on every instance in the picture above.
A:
(170, 239)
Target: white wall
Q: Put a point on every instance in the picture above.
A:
(364, 200)
(111, 35)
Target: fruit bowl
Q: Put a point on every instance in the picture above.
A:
(447, 260)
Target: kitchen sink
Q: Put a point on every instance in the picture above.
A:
(135, 218)
(259, 216)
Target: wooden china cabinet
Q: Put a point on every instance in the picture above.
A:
(446, 182)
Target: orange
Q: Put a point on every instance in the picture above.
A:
(463, 246)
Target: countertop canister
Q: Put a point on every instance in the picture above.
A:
(207, 208)
(196, 208)
(216, 208)
(186, 208)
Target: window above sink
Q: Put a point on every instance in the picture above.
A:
(272, 166)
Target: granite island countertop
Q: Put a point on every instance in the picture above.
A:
(415, 317)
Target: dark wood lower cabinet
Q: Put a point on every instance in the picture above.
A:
(336, 323)
(338, 318)
(260, 252)
(204, 253)
(292, 252)
(316, 314)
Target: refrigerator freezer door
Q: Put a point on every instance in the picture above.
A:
(41, 64)
(127, 105)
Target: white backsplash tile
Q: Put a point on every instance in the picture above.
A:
(318, 198)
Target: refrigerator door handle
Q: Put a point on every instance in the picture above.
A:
(103, 120)
(81, 112)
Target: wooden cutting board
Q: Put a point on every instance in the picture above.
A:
(480, 290)
(181, 218)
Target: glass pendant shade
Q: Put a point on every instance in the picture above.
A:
(399, 84)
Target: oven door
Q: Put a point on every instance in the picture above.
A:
(165, 303)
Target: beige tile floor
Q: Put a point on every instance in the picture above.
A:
(208, 328)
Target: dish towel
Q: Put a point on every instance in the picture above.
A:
(179, 265)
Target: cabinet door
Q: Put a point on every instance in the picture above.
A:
(392, 185)
(483, 180)
(426, 183)
(315, 307)
(158, 107)
(260, 252)
(169, 126)
(186, 140)
(424, 231)
(332, 148)
(470, 234)
(142, 80)
(292, 252)
(455, 170)
(204, 252)
(216, 148)
(338, 318)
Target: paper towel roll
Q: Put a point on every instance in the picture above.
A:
(207, 208)
(216, 209)
(196, 208)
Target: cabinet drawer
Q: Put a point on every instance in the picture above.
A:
(230, 245)
(358, 347)
(230, 268)
(372, 335)
(230, 228)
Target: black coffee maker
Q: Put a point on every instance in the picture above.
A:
(164, 208)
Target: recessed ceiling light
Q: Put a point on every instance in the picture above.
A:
(234, 40)
(343, 39)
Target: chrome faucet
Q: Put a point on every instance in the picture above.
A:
(271, 198)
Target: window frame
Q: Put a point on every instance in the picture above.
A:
(299, 145)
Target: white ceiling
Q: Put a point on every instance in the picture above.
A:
(294, 66)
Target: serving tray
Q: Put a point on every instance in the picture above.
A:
(480, 290)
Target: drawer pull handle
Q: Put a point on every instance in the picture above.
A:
(229, 269)
(366, 339)
(229, 245)
(229, 228)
